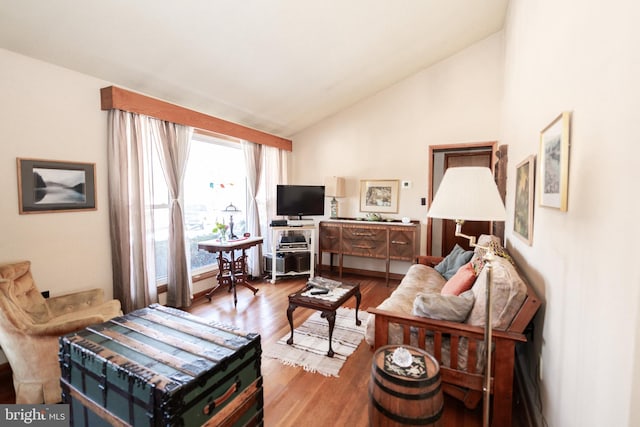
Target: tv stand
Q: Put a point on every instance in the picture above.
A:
(300, 222)
(295, 251)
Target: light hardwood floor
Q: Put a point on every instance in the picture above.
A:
(293, 397)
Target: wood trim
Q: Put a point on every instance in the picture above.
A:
(113, 97)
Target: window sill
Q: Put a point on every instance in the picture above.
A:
(203, 275)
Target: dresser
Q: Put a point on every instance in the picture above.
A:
(387, 241)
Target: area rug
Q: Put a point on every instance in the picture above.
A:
(311, 343)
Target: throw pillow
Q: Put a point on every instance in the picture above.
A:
(452, 262)
(443, 307)
(508, 292)
(461, 281)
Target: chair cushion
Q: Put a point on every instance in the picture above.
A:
(23, 290)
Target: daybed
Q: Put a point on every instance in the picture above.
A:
(451, 326)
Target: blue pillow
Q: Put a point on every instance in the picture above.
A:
(456, 259)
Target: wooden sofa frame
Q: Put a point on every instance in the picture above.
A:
(466, 386)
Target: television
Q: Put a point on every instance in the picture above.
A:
(300, 200)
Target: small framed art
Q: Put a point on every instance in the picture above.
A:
(554, 163)
(379, 196)
(523, 212)
(55, 186)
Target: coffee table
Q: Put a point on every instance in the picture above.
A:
(327, 304)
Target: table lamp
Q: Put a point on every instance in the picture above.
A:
(334, 187)
(231, 209)
(470, 193)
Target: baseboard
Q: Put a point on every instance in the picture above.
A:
(360, 272)
(524, 409)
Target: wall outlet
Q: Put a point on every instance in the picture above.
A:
(423, 201)
(406, 184)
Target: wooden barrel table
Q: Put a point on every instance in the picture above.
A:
(405, 396)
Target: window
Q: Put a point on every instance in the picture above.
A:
(215, 178)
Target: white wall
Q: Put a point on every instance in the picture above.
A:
(387, 136)
(48, 112)
(581, 56)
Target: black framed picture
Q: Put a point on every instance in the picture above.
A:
(55, 186)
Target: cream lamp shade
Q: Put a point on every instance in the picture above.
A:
(468, 194)
(334, 186)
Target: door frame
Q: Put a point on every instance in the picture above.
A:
(466, 146)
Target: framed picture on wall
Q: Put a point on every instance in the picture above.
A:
(554, 163)
(379, 195)
(523, 212)
(55, 186)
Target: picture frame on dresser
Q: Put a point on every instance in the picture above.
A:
(55, 186)
(523, 211)
(553, 175)
(377, 195)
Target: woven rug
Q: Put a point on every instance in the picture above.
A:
(311, 342)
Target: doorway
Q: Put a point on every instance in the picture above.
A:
(441, 233)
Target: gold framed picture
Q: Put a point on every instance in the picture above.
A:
(554, 163)
(523, 212)
(378, 195)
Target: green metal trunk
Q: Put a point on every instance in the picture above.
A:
(160, 366)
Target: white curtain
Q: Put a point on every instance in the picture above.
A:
(253, 164)
(275, 172)
(131, 220)
(172, 143)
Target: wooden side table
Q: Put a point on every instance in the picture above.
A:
(232, 270)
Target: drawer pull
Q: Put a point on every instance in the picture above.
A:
(364, 234)
(208, 408)
(363, 247)
(399, 242)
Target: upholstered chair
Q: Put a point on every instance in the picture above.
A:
(30, 326)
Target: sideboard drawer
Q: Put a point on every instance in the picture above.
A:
(401, 245)
(329, 238)
(369, 242)
(364, 234)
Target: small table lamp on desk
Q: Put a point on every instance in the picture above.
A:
(470, 193)
(334, 187)
(231, 209)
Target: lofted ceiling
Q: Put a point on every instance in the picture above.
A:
(274, 65)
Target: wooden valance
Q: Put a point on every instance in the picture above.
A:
(113, 97)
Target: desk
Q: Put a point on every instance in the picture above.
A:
(232, 271)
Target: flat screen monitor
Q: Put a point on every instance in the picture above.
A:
(300, 200)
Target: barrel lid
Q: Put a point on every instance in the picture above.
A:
(423, 366)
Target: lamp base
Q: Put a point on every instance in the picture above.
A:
(334, 208)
